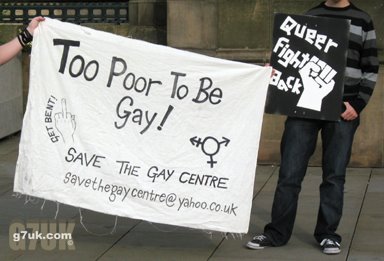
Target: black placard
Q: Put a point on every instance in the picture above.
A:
(309, 57)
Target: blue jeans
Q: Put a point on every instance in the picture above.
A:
(297, 146)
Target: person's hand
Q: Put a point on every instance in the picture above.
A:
(350, 113)
(34, 23)
(317, 82)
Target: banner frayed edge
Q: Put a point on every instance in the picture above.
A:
(35, 201)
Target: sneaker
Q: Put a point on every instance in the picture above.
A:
(330, 246)
(259, 242)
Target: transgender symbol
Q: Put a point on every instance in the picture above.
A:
(210, 146)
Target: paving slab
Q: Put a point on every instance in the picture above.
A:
(302, 245)
(90, 241)
(161, 242)
(368, 243)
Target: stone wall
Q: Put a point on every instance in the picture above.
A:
(11, 98)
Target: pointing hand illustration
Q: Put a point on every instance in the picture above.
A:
(65, 123)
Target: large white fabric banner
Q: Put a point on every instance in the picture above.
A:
(138, 130)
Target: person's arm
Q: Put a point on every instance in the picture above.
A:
(369, 65)
(13, 47)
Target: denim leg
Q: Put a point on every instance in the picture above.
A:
(297, 145)
(337, 138)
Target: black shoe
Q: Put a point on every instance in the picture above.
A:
(259, 242)
(330, 246)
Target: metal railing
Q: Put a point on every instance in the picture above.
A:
(65, 10)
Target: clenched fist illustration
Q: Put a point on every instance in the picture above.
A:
(317, 78)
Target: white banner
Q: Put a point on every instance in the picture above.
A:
(138, 130)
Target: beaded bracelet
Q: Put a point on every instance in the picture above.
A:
(24, 37)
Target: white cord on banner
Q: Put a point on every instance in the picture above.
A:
(163, 230)
(42, 205)
(97, 234)
(31, 199)
(57, 209)
(17, 195)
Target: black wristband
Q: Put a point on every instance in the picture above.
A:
(24, 37)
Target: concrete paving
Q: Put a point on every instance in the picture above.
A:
(362, 225)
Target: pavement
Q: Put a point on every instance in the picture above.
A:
(96, 236)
